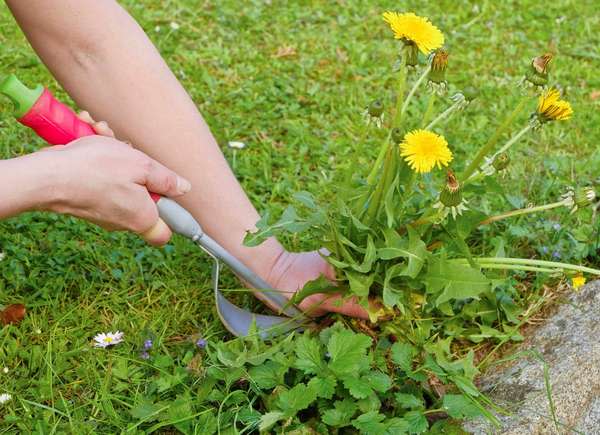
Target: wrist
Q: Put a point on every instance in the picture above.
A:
(46, 181)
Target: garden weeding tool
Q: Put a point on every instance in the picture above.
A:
(57, 124)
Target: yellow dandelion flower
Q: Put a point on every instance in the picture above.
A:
(423, 150)
(416, 30)
(578, 281)
(552, 108)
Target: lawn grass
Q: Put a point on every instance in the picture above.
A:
(290, 79)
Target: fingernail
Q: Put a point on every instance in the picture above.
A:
(183, 185)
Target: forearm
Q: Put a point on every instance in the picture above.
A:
(108, 65)
(26, 184)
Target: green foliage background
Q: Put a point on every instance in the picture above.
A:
(300, 118)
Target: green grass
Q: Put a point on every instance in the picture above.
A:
(300, 117)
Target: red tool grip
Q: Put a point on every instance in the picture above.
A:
(57, 124)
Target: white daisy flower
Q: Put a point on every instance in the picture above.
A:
(4, 397)
(108, 339)
(236, 145)
(2, 256)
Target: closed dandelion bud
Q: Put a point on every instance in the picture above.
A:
(501, 162)
(584, 197)
(470, 93)
(439, 63)
(376, 109)
(397, 135)
(451, 195)
(538, 70)
(374, 113)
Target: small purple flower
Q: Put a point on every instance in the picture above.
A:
(556, 227)
(147, 344)
(556, 254)
(144, 355)
(201, 343)
(545, 249)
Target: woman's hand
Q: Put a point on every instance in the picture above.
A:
(292, 270)
(105, 181)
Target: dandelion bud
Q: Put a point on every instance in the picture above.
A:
(439, 64)
(451, 199)
(451, 195)
(375, 109)
(501, 162)
(470, 93)
(584, 197)
(397, 135)
(537, 74)
(374, 113)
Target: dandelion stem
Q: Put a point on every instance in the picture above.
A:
(506, 146)
(429, 110)
(413, 90)
(492, 141)
(375, 202)
(510, 266)
(445, 114)
(531, 262)
(395, 121)
(523, 211)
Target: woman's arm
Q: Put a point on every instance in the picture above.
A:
(26, 184)
(91, 41)
(96, 41)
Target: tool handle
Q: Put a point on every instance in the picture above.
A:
(51, 120)
(55, 122)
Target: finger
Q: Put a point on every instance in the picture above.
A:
(158, 235)
(85, 116)
(320, 304)
(103, 129)
(159, 179)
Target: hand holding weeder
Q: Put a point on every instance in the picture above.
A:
(57, 124)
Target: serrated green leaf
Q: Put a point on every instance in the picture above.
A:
(402, 355)
(268, 375)
(378, 381)
(369, 258)
(358, 387)
(414, 250)
(305, 198)
(347, 351)
(359, 283)
(323, 387)
(370, 423)
(459, 406)
(296, 399)
(341, 415)
(309, 355)
(454, 281)
(417, 423)
(320, 285)
(396, 426)
(409, 401)
(268, 420)
(391, 295)
(465, 384)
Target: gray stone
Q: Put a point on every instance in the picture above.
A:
(569, 344)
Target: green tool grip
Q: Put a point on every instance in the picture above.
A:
(22, 97)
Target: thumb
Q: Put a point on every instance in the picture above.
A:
(158, 234)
